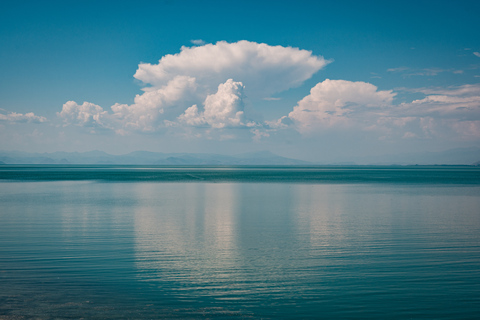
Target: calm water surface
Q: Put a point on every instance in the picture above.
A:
(218, 248)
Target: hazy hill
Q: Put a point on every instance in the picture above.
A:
(146, 158)
(458, 156)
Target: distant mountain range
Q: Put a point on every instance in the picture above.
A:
(147, 158)
(459, 156)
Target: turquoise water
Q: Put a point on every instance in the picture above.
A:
(259, 243)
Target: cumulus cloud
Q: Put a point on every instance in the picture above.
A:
(258, 134)
(29, 117)
(459, 102)
(223, 109)
(452, 113)
(263, 69)
(86, 114)
(333, 102)
(156, 105)
(455, 108)
(445, 106)
(203, 86)
(206, 87)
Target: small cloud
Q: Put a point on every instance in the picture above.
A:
(399, 69)
(257, 135)
(409, 135)
(477, 54)
(272, 99)
(282, 123)
(429, 72)
(198, 42)
(14, 117)
(86, 114)
(458, 71)
(467, 49)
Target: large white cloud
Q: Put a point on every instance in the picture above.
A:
(263, 69)
(450, 113)
(206, 87)
(202, 76)
(334, 102)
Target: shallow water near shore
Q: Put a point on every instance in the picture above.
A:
(235, 247)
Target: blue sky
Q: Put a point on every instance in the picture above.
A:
(402, 76)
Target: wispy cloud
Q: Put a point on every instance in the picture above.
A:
(408, 72)
(428, 72)
(398, 69)
(468, 89)
(477, 54)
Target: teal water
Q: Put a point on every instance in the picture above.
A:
(218, 243)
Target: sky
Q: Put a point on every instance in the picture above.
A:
(313, 80)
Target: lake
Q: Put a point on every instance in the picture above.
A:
(127, 242)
